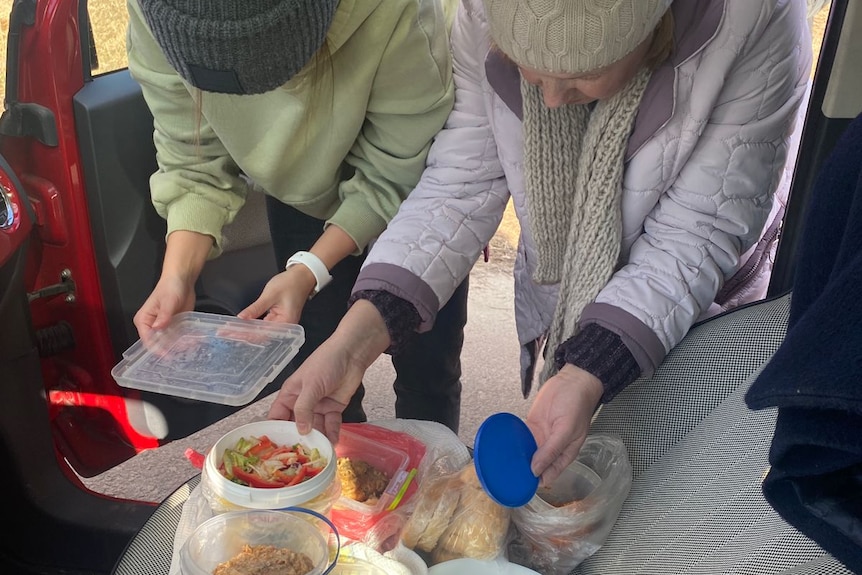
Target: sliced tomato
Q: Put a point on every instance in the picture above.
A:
(311, 471)
(253, 479)
(195, 458)
(264, 444)
(300, 475)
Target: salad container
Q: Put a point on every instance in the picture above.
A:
(316, 493)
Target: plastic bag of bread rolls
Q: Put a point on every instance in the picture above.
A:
(435, 505)
(454, 518)
(479, 526)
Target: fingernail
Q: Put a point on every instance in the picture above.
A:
(303, 428)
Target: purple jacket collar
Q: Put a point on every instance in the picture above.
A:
(695, 24)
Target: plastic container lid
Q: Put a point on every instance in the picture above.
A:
(282, 433)
(210, 357)
(502, 453)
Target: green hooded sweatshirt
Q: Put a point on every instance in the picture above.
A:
(344, 141)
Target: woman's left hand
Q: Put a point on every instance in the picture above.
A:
(283, 297)
(560, 419)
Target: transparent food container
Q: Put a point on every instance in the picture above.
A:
(391, 461)
(222, 538)
(210, 357)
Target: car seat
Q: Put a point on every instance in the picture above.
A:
(699, 456)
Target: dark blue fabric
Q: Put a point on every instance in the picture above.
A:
(815, 377)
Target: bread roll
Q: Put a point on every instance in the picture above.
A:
(436, 502)
(478, 527)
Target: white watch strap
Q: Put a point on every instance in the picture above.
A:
(315, 265)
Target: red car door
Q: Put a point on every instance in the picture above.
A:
(45, 69)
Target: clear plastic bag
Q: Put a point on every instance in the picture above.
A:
(357, 520)
(569, 521)
(453, 517)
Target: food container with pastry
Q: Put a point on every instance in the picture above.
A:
(255, 541)
(269, 465)
(373, 479)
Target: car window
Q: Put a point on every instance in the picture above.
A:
(819, 13)
(108, 19)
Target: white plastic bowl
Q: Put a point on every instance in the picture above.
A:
(283, 433)
(223, 536)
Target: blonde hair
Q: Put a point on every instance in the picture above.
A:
(318, 70)
(198, 97)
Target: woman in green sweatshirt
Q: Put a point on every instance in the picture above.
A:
(329, 107)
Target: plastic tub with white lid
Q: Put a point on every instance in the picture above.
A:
(317, 493)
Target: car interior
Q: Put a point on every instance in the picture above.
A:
(81, 247)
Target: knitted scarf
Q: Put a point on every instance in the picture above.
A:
(573, 170)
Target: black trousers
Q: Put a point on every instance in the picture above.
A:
(428, 370)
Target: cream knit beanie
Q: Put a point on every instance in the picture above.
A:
(571, 36)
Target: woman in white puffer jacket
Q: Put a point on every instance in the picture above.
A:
(641, 141)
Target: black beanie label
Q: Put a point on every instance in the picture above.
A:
(221, 81)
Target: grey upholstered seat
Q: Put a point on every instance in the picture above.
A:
(698, 456)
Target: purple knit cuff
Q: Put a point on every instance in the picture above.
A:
(401, 318)
(602, 353)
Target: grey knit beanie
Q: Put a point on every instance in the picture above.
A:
(571, 36)
(239, 46)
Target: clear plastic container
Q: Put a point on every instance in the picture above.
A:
(562, 526)
(221, 538)
(575, 483)
(210, 357)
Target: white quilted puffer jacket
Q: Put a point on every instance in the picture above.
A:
(705, 158)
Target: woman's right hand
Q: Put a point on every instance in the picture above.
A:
(560, 419)
(319, 390)
(185, 255)
(172, 295)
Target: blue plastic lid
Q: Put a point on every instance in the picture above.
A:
(502, 452)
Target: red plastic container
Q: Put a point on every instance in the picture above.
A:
(397, 455)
